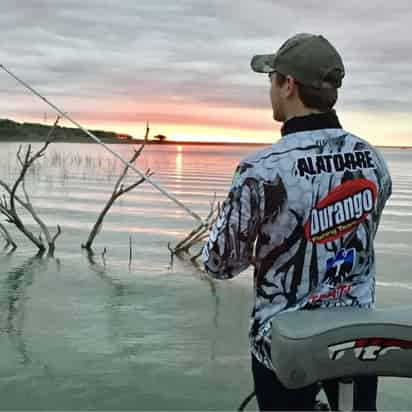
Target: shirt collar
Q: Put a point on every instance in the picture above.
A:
(314, 121)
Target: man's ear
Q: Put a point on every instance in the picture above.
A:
(290, 86)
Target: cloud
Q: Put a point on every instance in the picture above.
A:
(100, 52)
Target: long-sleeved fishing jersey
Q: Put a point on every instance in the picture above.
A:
(305, 212)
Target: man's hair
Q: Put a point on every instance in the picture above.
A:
(320, 99)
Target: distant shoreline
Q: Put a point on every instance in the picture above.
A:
(155, 142)
(11, 131)
(33, 139)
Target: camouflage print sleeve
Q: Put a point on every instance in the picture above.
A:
(385, 181)
(230, 246)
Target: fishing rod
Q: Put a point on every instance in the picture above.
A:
(113, 152)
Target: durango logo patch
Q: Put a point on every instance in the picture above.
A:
(345, 207)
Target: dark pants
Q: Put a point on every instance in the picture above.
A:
(365, 391)
(271, 395)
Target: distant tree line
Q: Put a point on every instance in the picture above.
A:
(11, 130)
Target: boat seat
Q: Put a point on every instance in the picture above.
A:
(315, 345)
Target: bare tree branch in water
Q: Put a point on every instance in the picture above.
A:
(7, 237)
(97, 267)
(8, 203)
(118, 190)
(186, 247)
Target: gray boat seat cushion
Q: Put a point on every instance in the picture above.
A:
(315, 345)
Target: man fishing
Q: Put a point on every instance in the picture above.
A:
(304, 212)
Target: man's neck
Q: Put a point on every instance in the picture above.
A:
(300, 112)
(311, 121)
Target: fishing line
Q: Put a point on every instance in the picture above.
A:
(113, 152)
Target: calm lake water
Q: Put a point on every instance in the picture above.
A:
(79, 334)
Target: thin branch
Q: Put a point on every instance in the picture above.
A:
(104, 256)
(195, 237)
(8, 189)
(172, 254)
(6, 235)
(130, 252)
(124, 190)
(30, 209)
(57, 234)
(8, 209)
(117, 187)
(118, 191)
(52, 242)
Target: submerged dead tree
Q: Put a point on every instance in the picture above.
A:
(190, 246)
(118, 190)
(7, 237)
(10, 200)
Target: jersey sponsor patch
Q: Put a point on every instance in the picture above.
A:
(334, 162)
(344, 208)
(340, 266)
(332, 296)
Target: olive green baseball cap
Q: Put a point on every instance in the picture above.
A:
(309, 58)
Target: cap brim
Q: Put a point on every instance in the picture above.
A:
(263, 63)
